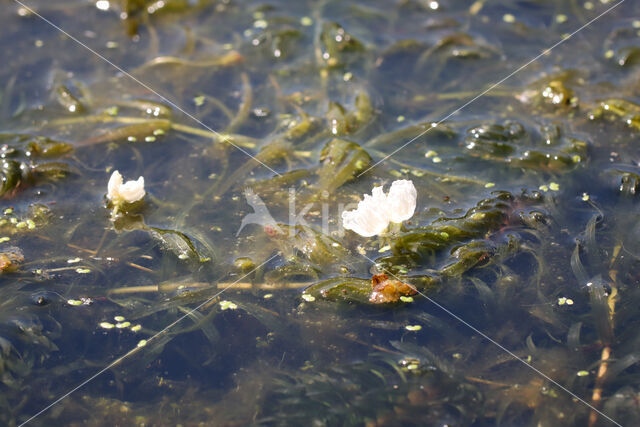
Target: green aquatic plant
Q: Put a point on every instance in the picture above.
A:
(25, 161)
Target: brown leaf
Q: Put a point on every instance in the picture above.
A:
(385, 290)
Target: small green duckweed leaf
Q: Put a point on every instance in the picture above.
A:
(308, 298)
(227, 305)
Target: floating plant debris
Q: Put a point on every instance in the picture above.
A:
(385, 290)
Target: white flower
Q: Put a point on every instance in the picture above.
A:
(375, 212)
(371, 217)
(130, 192)
(401, 200)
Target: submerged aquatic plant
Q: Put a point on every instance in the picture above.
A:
(375, 212)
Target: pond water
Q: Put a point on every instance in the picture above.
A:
(230, 294)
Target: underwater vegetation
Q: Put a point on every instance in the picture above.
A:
(491, 276)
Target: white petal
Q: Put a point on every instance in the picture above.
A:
(132, 191)
(113, 188)
(371, 217)
(401, 200)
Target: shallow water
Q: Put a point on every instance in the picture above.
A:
(185, 308)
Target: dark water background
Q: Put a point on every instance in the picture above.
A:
(526, 227)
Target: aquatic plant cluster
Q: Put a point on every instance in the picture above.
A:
(340, 217)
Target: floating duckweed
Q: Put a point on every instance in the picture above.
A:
(444, 234)
(436, 160)
(636, 24)
(413, 367)
(123, 325)
(490, 184)
(565, 301)
(430, 153)
(4, 239)
(83, 270)
(149, 138)
(554, 186)
(268, 296)
(544, 188)
(260, 23)
(400, 119)
(8, 211)
(413, 327)
(118, 318)
(30, 224)
(347, 76)
(13, 220)
(3, 222)
(588, 5)
(21, 224)
(107, 325)
(582, 373)
(609, 54)
(306, 21)
(308, 298)
(384, 248)
(576, 158)
(158, 132)
(561, 18)
(74, 302)
(585, 197)
(227, 305)
(199, 101)
(509, 18)
(132, 139)
(141, 343)
(406, 299)
(112, 111)
(73, 260)
(136, 328)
